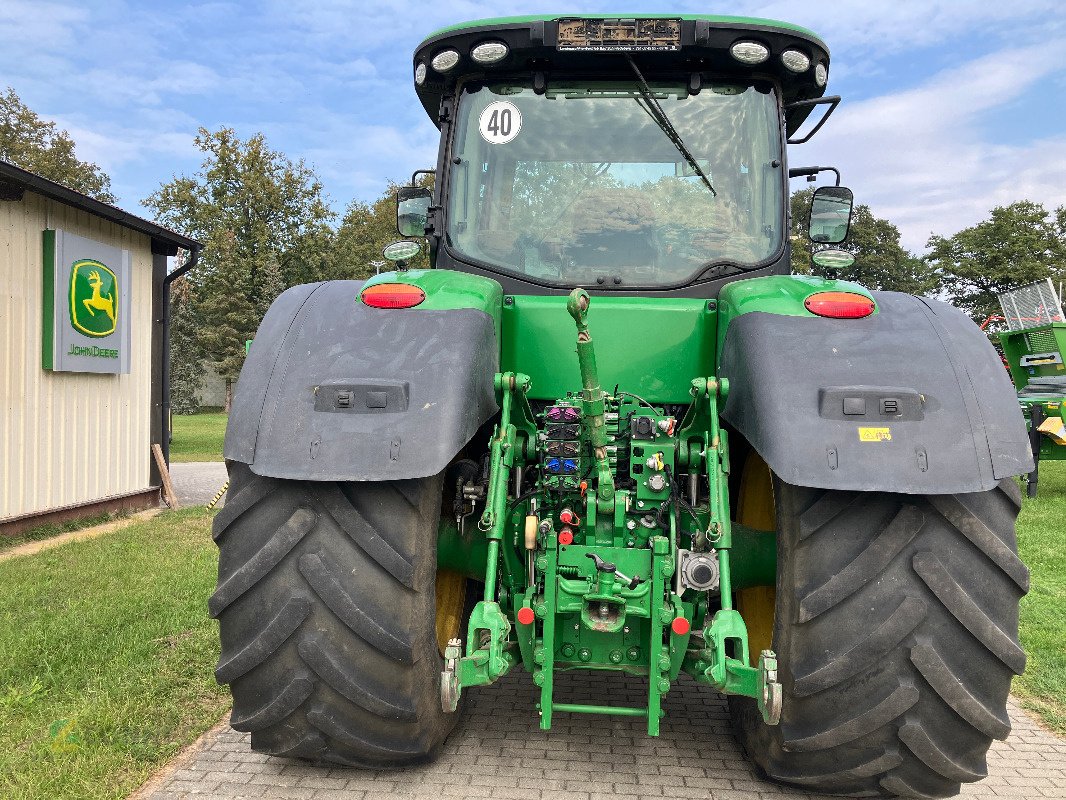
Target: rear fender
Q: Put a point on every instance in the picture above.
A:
(333, 390)
(932, 409)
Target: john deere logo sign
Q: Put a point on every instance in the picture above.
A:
(93, 298)
(87, 305)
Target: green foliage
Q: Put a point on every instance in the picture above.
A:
(880, 261)
(106, 658)
(363, 233)
(34, 144)
(1019, 244)
(186, 353)
(264, 223)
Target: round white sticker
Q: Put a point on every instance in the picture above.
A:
(500, 122)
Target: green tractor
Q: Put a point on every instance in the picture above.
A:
(608, 430)
(1033, 345)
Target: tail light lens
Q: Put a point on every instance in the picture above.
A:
(392, 295)
(839, 305)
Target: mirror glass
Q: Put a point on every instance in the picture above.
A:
(833, 259)
(401, 251)
(412, 210)
(830, 214)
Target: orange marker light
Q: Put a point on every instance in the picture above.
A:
(839, 305)
(392, 295)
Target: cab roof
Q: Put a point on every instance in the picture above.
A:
(699, 43)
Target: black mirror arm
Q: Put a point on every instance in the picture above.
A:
(832, 101)
(811, 172)
(417, 172)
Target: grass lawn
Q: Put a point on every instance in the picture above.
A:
(1042, 545)
(198, 437)
(106, 658)
(55, 529)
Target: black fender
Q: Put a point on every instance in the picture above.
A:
(939, 412)
(332, 390)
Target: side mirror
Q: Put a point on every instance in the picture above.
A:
(412, 210)
(830, 214)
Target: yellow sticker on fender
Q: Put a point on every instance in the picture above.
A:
(875, 434)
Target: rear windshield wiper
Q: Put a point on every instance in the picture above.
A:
(655, 111)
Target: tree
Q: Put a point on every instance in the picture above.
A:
(1019, 244)
(229, 313)
(880, 261)
(364, 231)
(264, 221)
(186, 353)
(35, 145)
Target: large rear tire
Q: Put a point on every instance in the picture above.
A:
(328, 615)
(896, 628)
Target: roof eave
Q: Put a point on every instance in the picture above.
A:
(164, 240)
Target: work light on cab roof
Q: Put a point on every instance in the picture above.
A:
(727, 46)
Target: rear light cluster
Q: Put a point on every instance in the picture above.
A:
(392, 295)
(839, 305)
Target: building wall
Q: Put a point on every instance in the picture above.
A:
(213, 389)
(67, 438)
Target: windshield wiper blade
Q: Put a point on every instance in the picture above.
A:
(655, 111)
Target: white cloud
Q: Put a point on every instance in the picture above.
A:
(919, 159)
(328, 80)
(892, 27)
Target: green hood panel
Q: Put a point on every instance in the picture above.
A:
(653, 348)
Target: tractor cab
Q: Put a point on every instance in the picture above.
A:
(637, 155)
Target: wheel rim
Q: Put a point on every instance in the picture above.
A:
(451, 599)
(755, 509)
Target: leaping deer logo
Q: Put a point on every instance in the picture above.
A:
(94, 298)
(105, 303)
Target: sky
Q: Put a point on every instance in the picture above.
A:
(950, 108)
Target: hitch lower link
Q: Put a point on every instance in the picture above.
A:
(718, 664)
(488, 655)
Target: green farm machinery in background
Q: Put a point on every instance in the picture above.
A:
(608, 431)
(1033, 347)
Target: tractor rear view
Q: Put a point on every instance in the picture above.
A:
(608, 430)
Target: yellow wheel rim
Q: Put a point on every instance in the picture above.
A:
(755, 509)
(451, 599)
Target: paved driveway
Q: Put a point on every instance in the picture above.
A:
(499, 751)
(197, 481)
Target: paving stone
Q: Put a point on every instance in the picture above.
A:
(499, 751)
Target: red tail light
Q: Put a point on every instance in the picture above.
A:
(392, 295)
(839, 305)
